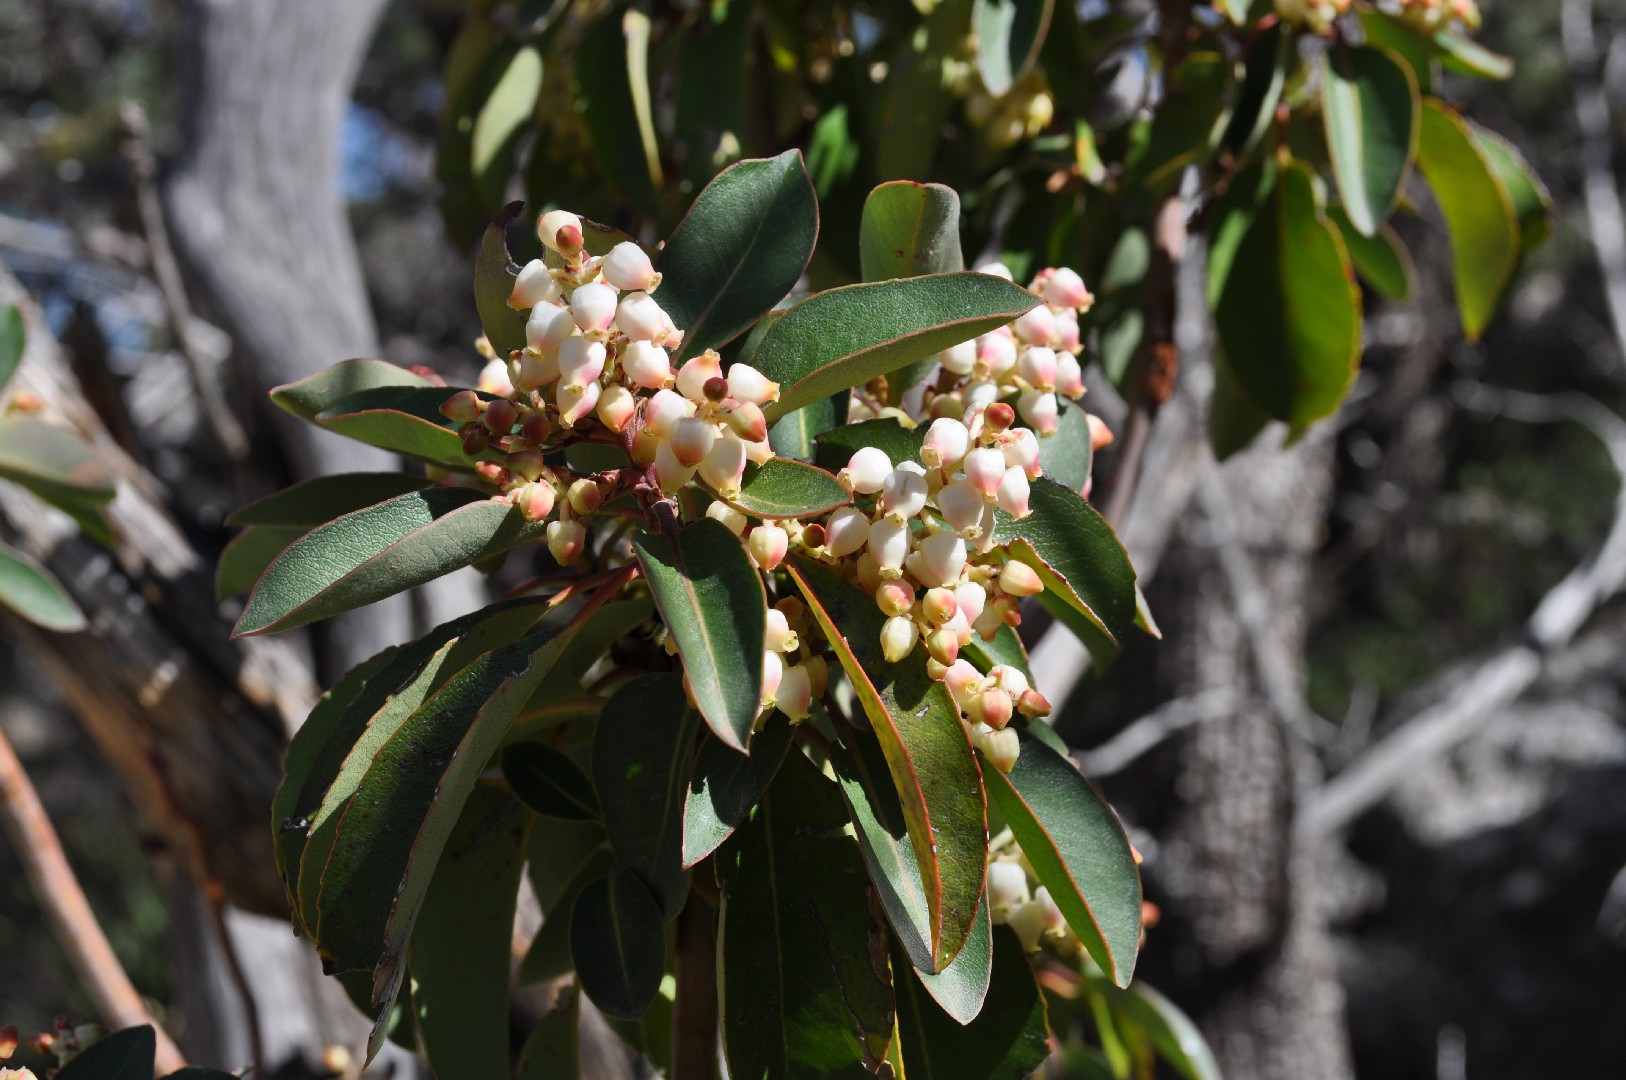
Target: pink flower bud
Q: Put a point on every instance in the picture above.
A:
(627, 266)
(526, 464)
(845, 531)
(897, 638)
(461, 407)
(939, 606)
(475, 438)
(959, 359)
(943, 645)
(1069, 375)
(746, 383)
(1037, 366)
(939, 560)
(1040, 409)
(1065, 289)
(894, 598)
(1067, 335)
(647, 365)
(1007, 888)
(694, 374)
(616, 406)
(1019, 579)
(1100, 434)
(767, 545)
(747, 421)
(1034, 704)
(1009, 679)
(1013, 493)
(985, 468)
(728, 516)
(945, 444)
(1036, 327)
(585, 497)
(996, 353)
(795, 696)
(780, 637)
(889, 543)
(1022, 450)
(580, 362)
(534, 500)
(575, 404)
(903, 496)
(534, 370)
(867, 569)
(533, 286)
(551, 224)
(663, 410)
(724, 465)
(963, 681)
(593, 307)
(867, 470)
(537, 428)
(500, 416)
(992, 707)
(494, 378)
(773, 671)
(692, 440)
(566, 540)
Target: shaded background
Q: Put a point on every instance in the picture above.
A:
(1469, 923)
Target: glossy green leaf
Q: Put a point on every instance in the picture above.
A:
(711, 98)
(726, 784)
(312, 502)
(52, 462)
(1076, 845)
(832, 151)
(405, 419)
(1006, 648)
(712, 601)
(845, 337)
(494, 274)
(1008, 1040)
(739, 250)
(552, 1050)
(1233, 420)
(476, 61)
(909, 229)
(1372, 108)
(1532, 205)
(1009, 35)
(245, 557)
(382, 550)
(642, 753)
(785, 488)
(314, 393)
(502, 117)
(1478, 214)
(1081, 562)
(461, 956)
(13, 339)
(927, 754)
(1188, 124)
(33, 592)
(837, 445)
(1469, 57)
(549, 954)
(1264, 74)
(793, 435)
(618, 944)
(122, 1055)
(1065, 455)
(1290, 319)
(1170, 1031)
(916, 97)
(1386, 31)
(612, 81)
(549, 782)
(802, 969)
(1381, 260)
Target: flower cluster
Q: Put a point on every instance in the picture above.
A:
(1014, 901)
(1430, 16)
(1316, 15)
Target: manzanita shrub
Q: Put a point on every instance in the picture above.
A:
(765, 680)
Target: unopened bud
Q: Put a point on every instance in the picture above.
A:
(1100, 434)
(475, 438)
(998, 416)
(585, 497)
(534, 500)
(767, 545)
(525, 463)
(867, 470)
(533, 286)
(746, 383)
(747, 421)
(818, 673)
(647, 365)
(537, 428)
(731, 518)
(552, 223)
(897, 638)
(461, 407)
(773, 670)
(1034, 704)
(1013, 493)
(813, 536)
(724, 466)
(627, 266)
(943, 645)
(1019, 579)
(868, 571)
(696, 372)
(1002, 748)
(894, 598)
(500, 416)
(566, 540)
(795, 696)
(714, 388)
(939, 606)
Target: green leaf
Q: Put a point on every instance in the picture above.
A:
(1081, 562)
(1077, 847)
(712, 96)
(320, 500)
(1381, 260)
(739, 250)
(1233, 420)
(909, 229)
(549, 782)
(804, 993)
(793, 435)
(551, 1051)
(786, 488)
(1263, 76)
(1372, 107)
(314, 393)
(1065, 454)
(1009, 35)
(13, 339)
(52, 462)
(1388, 32)
(613, 98)
(463, 940)
(618, 944)
(832, 152)
(1006, 648)
(494, 274)
(1008, 1040)
(1478, 213)
(377, 552)
(844, 337)
(245, 557)
(1188, 124)
(123, 1055)
(837, 445)
(713, 603)
(642, 754)
(926, 752)
(916, 97)
(1471, 58)
(726, 784)
(549, 955)
(1170, 1031)
(1532, 204)
(33, 592)
(503, 116)
(1289, 319)
(406, 419)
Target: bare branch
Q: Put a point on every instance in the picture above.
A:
(1144, 735)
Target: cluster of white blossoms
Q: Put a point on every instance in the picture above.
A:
(1016, 900)
(1316, 15)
